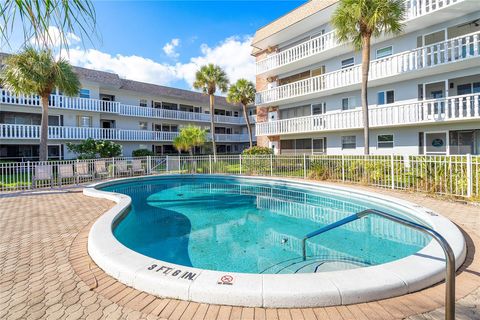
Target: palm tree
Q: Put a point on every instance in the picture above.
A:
(357, 21)
(209, 79)
(34, 72)
(189, 138)
(243, 92)
(36, 17)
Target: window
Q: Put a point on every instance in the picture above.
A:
(169, 106)
(143, 125)
(54, 121)
(84, 93)
(84, 121)
(143, 103)
(386, 97)
(385, 141)
(319, 145)
(348, 103)
(436, 142)
(384, 52)
(186, 107)
(476, 87)
(318, 108)
(347, 63)
(317, 71)
(349, 142)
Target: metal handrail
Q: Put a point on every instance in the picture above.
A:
(450, 257)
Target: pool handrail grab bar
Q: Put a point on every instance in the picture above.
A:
(450, 257)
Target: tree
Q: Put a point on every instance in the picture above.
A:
(243, 92)
(209, 79)
(189, 138)
(34, 72)
(72, 17)
(357, 21)
(91, 149)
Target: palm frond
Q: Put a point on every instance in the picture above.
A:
(37, 16)
(355, 19)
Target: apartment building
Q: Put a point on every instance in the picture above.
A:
(134, 114)
(424, 89)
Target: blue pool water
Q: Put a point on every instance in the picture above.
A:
(255, 226)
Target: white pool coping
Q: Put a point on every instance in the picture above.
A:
(164, 279)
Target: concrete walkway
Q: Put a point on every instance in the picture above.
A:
(45, 272)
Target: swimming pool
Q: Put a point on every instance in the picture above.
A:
(238, 234)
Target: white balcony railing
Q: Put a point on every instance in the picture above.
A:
(84, 104)
(441, 53)
(327, 41)
(465, 107)
(22, 131)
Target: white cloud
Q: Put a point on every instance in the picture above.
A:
(170, 47)
(53, 38)
(130, 67)
(232, 54)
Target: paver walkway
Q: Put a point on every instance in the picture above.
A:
(44, 276)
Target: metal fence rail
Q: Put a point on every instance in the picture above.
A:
(457, 176)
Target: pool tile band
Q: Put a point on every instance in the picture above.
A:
(165, 279)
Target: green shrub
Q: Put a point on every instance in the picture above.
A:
(142, 153)
(254, 151)
(91, 149)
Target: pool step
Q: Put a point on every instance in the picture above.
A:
(314, 265)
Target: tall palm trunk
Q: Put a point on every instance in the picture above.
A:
(43, 148)
(212, 126)
(364, 95)
(247, 120)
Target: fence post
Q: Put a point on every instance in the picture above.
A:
(271, 165)
(392, 161)
(113, 167)
(149, 165)
(166, 164)
(179, 164)
(343, 168)
(28, 175)
(76, 168)
(240, 161)
(469, 176)
(304, 166)
(210, 163)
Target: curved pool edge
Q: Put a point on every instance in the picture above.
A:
(164, 279)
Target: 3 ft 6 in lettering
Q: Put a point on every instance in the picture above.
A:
(173, 272)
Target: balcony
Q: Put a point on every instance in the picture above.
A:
(96, 105)
(451, 109)
(308, 50)
(32, 132)
(443, 56)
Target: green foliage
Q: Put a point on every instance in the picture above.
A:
(142, 153)
(211, 78)
(355, 19)
(37, 72)
(36, 17)
(91, 149)
(189, 138)
(253, 151)
(243, 91)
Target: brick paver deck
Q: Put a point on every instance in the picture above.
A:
(45, 271)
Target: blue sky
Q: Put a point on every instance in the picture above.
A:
(143, 27)
(165, 42)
